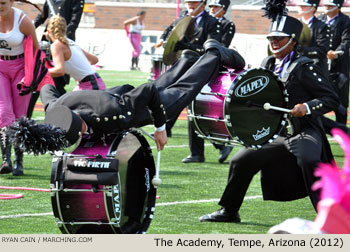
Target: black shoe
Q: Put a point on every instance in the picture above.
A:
(193, 159)
(224, 152)
(131, 227)
(18, 163)
(17, 172)
(5, 167)
(221, 215)
(229, 57)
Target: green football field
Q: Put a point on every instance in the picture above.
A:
(187, 192)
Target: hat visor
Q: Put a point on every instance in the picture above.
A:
(218, 5)
(329, 4)
(277, 34)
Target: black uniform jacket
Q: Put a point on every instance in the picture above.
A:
(228, 31)
(305, 83)
(319, 43)
(340, 40)
(71, 10)
(208, 28)
(113, 109)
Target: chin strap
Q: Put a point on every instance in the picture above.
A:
(282, 48)
(216, 13)
(333, 9)
(196, 9)
(306, 12)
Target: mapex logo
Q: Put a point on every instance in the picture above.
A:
(91, 164)
(252, 86)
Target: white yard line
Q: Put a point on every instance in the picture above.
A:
(24, 215)
(201, 201)
(159, 204)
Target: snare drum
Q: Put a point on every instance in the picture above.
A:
(103, 183)
(229, 109)
(158, 67)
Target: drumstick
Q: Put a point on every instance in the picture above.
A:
(268, 106)
(156, 181)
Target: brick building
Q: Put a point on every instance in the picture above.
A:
(111, 14)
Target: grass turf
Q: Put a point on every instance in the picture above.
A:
(181, 182)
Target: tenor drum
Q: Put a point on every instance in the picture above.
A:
(103, 184)
(229, 109)
(158, 67)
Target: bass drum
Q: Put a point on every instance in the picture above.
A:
(230, 110)
(104, 185)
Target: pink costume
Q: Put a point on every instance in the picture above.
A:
(12, 105)
(135, 38)
(79, 68)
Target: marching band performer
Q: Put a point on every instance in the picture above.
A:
(206, 27)
(317, 50)
(338, 54)
(69, 58)
(287, 164)
(124, 107)
(70, 10)
(15, 25)
(319, 42)
(218, 9)
(137, 24)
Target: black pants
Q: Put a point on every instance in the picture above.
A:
(179, 85)
(300, 156)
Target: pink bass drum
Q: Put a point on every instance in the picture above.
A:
(102, 184)
(230, 110)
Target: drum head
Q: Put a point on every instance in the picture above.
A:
(108, 208)
(250, 123)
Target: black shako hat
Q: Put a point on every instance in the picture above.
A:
(64, 118)
(337, 3)
(281, 24)
(286, 26)
(313, 3)
(221, 3)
